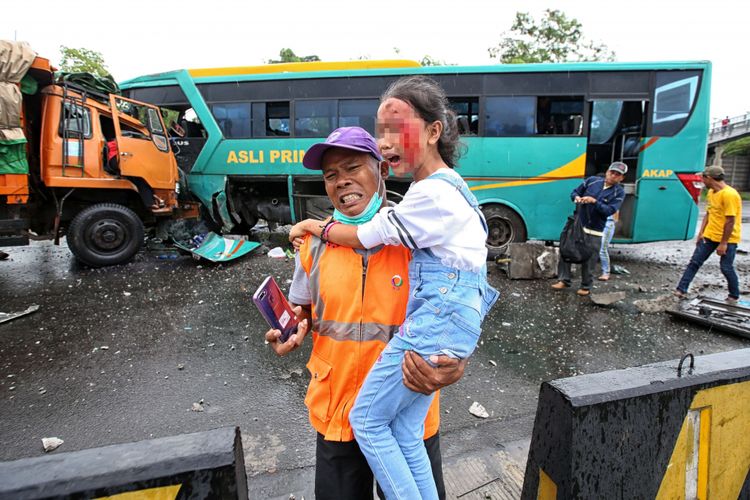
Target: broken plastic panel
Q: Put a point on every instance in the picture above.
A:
(220, 249)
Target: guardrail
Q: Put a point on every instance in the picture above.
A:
(728, 127)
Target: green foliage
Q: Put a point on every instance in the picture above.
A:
(288, 55)
(556, 38)
(428, 60)
(737, 148)
(82, 61)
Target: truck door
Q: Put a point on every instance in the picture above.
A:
(142, 144)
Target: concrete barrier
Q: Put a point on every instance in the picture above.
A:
(646, 432)
(196, 466)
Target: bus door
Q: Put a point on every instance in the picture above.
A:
(143, 151)
(616, 128)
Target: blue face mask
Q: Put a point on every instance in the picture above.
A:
(367, 214)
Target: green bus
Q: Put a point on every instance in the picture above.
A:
(531, 132)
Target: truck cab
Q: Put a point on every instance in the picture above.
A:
(99, 168)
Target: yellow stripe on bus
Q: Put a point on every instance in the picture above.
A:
(159, 493)
(300, 67)
(571, 170)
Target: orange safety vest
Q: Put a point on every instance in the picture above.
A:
(355, 311)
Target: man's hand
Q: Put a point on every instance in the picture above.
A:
(294, 340)
(721, 249)
(577, 199)
(420, 376)
(699, 239)
(297, 243)
(588, 199)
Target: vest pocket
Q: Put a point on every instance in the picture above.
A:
(319, 392)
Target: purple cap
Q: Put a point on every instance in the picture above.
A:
(352, 138)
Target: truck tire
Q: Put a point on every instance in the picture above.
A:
(505, 227)
(105, 234)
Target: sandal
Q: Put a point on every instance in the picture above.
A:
(583, 292)
(603, 277)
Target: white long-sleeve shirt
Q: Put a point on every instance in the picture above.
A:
(434, 215)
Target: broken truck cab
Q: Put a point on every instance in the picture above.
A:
(86, 162)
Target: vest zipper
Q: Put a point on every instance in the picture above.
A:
(364, 280)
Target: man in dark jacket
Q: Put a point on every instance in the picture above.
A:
(598, 198)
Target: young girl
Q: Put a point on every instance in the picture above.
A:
(440, 221)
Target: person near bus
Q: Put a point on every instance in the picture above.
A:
(356, 301)
(720, 232)
(597, 198)
(439, 221)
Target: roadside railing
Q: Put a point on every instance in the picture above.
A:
(736, 125)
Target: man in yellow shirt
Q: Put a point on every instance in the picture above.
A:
(720, 231)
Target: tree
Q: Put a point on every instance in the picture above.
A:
(428, 60)
(288, 55)
(556, 38)
(82, 61)
(738, 147)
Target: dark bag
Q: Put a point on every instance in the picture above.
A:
(573, 246)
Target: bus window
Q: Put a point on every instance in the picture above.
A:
(604, 119)
(233, 119)
(559, 115)
(467, 114)
(674, 96)
(189, 121)
(270, 119)
(314, 118)
(510, 116)
(358, 113)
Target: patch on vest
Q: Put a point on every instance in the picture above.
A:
(397, 281)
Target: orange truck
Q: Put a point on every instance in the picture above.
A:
(80, 162)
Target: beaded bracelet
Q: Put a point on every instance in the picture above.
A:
(327, 229)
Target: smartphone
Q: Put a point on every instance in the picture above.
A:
(275, 308)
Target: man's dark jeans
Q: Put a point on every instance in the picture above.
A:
(587, 268)
(703, 251)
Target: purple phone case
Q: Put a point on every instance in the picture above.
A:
(275, 309)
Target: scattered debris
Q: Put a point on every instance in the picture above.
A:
(127, 294)
(656, 305)
(617, 269)
(217, 248)
(104, 348)
(493, 363)
(51, 444)
(198, 407)
(180, 366)
(478, 410)
(277, 253)
(605, 299)
(4, 255)
(11, 316)
(719, 314)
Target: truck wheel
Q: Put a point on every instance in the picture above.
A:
(105, 234)
(505, 226)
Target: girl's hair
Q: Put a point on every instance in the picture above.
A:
(429, 101)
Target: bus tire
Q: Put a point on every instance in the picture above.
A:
(505, 226)
(105, 234)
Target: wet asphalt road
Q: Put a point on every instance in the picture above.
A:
(121, 354)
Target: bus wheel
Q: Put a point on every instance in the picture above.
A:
(105, 234)
(505, 226)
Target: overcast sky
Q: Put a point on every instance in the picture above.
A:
(139, 37)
